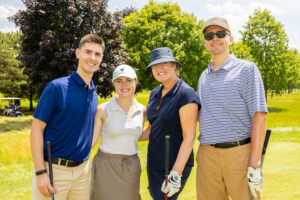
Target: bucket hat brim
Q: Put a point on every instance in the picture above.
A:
(162, 60)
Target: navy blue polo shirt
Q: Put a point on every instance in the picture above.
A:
(68, 109)
(166, 121)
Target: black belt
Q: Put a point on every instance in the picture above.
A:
(231, 144)
(64, 162)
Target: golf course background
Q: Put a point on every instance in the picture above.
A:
(281, 166)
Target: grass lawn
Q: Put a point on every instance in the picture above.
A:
(281, 166)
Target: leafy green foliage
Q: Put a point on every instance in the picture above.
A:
(165, 25)
(52, 31)
(268, 44)
(293, 63)
(240, 50)
(12, 79)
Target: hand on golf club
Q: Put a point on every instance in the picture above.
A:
(174, 184)
(255, 180)
(43, 183)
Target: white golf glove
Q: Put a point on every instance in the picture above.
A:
(255, 180)
(174, 184)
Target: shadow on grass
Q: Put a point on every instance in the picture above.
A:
(275, 109)
(14, 125)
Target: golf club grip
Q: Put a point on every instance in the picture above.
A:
(50, 164)
(266, 142)
(167, 154)
(268, 134)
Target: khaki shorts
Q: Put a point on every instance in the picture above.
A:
(71, 183)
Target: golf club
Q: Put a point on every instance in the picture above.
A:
(50, 164)
(167, 152)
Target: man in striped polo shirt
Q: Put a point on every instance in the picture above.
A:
(232, 121)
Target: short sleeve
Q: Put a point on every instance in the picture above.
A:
(188, 95)
(255, 93)
(47, 103)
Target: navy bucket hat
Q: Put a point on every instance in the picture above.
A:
(161, 55)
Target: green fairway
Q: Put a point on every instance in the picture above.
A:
(281, 166)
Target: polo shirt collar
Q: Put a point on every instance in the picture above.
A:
(117, 107)
(173, 90)
(227, 65)
(80, 81)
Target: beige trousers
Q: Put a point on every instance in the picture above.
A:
(71, 183)
(222, 173)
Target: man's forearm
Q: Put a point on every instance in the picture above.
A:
(257, 138)
(37, 144)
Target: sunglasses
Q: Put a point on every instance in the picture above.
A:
(219, 34)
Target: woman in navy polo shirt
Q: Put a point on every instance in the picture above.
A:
(172, 110)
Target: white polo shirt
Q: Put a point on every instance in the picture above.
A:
(120, 133)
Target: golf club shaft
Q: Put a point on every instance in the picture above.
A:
(167, 152)
(50, 164)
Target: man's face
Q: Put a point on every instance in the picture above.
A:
(89, 57)
(217, 45)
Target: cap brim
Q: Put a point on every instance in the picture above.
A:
(204, 29)
(125, 75)
(162, 60)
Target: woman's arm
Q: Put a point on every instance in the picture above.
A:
(100, 118)
(188, 118)
(146, 130)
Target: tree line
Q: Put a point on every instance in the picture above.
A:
(50, 30)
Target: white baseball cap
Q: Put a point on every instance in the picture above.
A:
(124, 70)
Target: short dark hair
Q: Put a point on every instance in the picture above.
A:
(92, 38)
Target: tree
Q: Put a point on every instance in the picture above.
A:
(293, 63)
(12, 79)
(269, 44)
(298, 69)
(52, 31)
(164, 25)
(240, 50)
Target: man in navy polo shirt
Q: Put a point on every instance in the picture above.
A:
(65, 117)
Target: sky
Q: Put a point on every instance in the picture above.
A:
(235, 11)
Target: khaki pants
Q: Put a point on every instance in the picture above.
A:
(222, 173)
(71, 183)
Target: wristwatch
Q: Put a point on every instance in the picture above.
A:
(43, 171)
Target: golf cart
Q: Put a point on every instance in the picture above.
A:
(11, 109)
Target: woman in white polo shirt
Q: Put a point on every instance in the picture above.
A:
(116, 167)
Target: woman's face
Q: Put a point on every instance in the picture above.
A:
(164, 72)
(124, 86)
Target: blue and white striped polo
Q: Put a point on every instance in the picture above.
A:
(229, 98)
